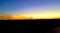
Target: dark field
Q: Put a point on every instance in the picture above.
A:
(26, 26)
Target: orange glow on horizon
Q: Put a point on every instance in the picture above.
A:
(33, 16)
(46, 15)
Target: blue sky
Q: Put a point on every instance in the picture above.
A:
(27, 6)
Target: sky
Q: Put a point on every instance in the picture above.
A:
(30, 7)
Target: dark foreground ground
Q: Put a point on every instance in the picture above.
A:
(29, 26)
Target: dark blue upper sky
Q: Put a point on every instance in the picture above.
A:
(27, 6)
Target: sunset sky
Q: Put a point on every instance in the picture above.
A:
(33, 8)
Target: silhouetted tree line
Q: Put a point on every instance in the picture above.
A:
(9, 16)
(3, 17)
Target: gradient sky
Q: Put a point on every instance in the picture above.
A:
(29, 6)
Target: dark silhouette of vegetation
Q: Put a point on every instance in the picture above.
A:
(5, 17)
